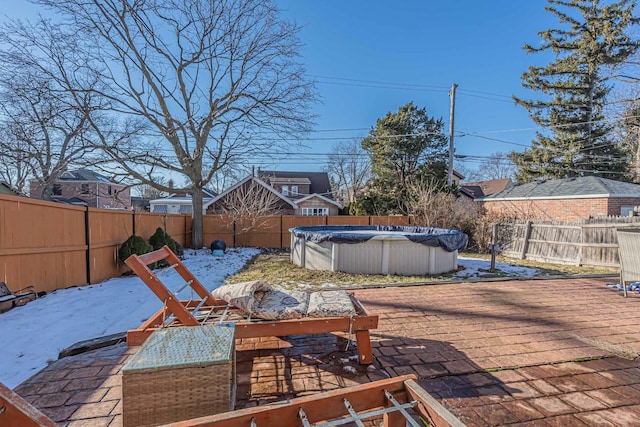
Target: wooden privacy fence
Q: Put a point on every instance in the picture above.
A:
(591, 242)
(53, 246)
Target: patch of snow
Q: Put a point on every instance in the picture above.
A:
(476, 267)
(350, 369)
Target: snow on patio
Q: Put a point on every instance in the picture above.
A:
(33, 335)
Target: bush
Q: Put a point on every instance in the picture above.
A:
(161, 238)
(134, 245)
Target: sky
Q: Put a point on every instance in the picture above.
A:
(370, 57)
(67, 316)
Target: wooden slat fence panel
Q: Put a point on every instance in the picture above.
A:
(390, 220)
(218, 227)
(108, 228)
(264, 232)
(177, 227)
(41, 244)
(591, 242)
(347, 220)
(557, 243)
(148, 223)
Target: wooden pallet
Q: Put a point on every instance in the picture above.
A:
(399, 401)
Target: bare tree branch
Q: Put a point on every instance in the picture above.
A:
(205, 76)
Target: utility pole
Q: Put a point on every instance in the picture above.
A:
(452, 112)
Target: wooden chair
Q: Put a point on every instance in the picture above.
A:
(9, 299)
(209, 310)
(15, 411)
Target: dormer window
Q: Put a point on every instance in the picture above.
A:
(294, 190)
(285, 190)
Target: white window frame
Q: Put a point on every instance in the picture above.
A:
(294, 190)
(285, 190)
(315, 211)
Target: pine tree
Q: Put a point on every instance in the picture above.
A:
(576, 140)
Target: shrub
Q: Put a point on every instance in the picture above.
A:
(161, 238)
(133, 245)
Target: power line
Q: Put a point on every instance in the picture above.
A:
(379, 82)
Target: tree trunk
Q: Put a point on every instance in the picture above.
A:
(196, 225)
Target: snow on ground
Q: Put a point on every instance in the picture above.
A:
(476, 267)
(34, 334)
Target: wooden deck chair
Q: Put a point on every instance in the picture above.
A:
(139, 265)
(209, 310)
(399, 401)
(9, 299)
(15, 411)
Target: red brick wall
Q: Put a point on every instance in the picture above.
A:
(96, 197)
(559, 209)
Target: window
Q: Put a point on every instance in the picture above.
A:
(85, 189)
(109, 190)
(626, 210)
(285, 190)
(57, 190)
(294, 190)
(315, 211)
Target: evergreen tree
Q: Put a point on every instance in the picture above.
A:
(404, 147)
(576, 141)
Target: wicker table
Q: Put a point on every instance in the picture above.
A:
(179, 374)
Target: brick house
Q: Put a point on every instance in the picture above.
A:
(289, 193)
(570, 199)
(88, 188)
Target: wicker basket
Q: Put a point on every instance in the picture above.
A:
(179, 374)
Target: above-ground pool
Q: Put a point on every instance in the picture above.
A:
(371, 249)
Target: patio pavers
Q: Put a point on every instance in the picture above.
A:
(532, 352)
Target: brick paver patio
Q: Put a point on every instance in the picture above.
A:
(560, 352)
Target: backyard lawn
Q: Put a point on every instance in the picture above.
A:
(275, 268)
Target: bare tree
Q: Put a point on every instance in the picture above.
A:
(496, 166)
(249, 205)
(14, 163)
(349, 167)
(204, 76)
(45, 128)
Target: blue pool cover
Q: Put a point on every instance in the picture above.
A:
(449, 240)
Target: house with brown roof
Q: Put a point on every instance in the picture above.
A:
(282, 193)
(88, 188)
(486, 188)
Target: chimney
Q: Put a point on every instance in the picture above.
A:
(171, 184)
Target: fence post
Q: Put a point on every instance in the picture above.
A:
(87, 241)
(281, 234)
(527, 236)
(234, 232)
(133, 223)
(581, 247)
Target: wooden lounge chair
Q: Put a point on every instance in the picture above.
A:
(15, 411)
(397, 400)
(9, 299)
(209, 310)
